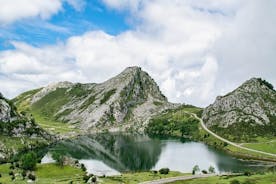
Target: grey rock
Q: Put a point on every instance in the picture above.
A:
(253, 102)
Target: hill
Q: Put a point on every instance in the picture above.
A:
(244, 114)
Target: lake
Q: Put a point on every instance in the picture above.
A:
(110, 154)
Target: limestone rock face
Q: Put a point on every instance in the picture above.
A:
(126, 101)
(5, 111)
(254, 102)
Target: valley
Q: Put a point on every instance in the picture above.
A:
(125, 130)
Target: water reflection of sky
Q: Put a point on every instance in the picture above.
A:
(182, 157)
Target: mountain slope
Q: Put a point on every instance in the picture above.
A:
(123, 102)
(17, 132)
(245, 113)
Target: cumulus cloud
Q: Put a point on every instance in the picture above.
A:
(11, 11)
(194, 50)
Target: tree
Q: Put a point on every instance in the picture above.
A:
(211, 169)
(28, 161)
(196, 169)
(60, 159)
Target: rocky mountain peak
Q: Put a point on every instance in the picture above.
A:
(253, 104)
(129, 99)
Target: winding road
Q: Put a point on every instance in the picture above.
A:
(229, 142)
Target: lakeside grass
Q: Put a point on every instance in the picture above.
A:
(268, 178)
(45, 174)
(52, 173)
(137, 177)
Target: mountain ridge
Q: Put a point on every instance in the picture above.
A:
(126, 101)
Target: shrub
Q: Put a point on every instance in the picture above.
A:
(28, 161)
(234, 182)
(11, 173)
(0, 175)
(24, 174)
(13, 177)
(85, 178)
(204, 172)
(164, 171)
(247, 173)
(83, 168)
(211, 169)
(32, 177)
(94, 179)
(60, 159)
(12, 167)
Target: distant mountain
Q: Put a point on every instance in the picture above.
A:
(245, 113)
(126, 101)
(12, 124)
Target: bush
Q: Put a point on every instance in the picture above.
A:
(24, 174)
(28, 161)
(155, 172)
(164, 171)
(32, 177)
(12, 167)
(247, 173)
(83, 168)
(204, 172)
(234, 182)
(13, 177)
(94, 179)
(0, 175)
(211, 169)
(60, 159)
(11, 173)
(85, 178)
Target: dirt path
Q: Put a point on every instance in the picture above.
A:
(229, 142)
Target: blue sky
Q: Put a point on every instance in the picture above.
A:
(94, 15)
(194, 49)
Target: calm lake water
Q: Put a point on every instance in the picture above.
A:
(111, 154)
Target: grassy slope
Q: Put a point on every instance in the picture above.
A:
(269, 178)
(44, 110)
(171, 122)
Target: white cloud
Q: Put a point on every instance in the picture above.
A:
(13, 10)
(194, 50)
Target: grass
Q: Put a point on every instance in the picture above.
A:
(107, 95)
(45, 173)
(51, 173)
(134, 178)
(53, 125)
(269, 146)
(269, 178)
